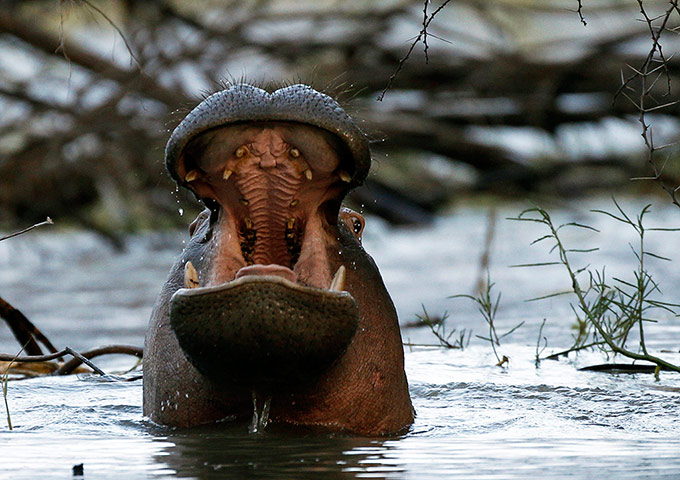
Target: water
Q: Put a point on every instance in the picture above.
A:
(475, 420)
(260, 414)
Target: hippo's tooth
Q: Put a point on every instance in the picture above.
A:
(345, 177)
(227, 173)
(308, 174)
(191, 176)
(338, 282)
(190, 276)
(240, 151)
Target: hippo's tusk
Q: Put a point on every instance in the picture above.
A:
(345, 177)
(338, 282)
(227, 173)
(308, 174)
(190, 276)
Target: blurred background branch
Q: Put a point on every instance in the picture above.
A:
(516, 97)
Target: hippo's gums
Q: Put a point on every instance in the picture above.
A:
(273, 296)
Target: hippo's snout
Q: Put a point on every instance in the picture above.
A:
(259, 331)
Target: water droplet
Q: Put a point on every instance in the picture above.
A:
(181, 212)
(260, 417)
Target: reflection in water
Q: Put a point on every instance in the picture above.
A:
(228, 451)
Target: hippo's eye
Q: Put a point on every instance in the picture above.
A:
(294, 152)
(354, 221)
(358, 227)
(240, 151)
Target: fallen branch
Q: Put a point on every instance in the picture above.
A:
(24, 331)
(79, 358)
(72, 364)
(623, 368)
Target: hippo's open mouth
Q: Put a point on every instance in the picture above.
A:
(275, 191)
(265, 299)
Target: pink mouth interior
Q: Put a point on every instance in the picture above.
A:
(277, 184)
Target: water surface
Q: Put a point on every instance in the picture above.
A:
(475, 420)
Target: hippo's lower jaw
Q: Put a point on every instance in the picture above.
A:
(261, 331)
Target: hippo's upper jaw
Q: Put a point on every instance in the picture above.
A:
(275, 191)
(273, 293)
(267, 307)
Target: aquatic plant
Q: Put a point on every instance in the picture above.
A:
(438, 327)
(4, 394)
(607, 312)
(488, 307)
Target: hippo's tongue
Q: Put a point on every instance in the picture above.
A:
(268, 270)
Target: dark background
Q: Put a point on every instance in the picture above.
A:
(513, 98)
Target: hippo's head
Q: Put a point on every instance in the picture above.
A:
(274, 292)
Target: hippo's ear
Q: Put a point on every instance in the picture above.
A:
(198, 221)
(354, 221)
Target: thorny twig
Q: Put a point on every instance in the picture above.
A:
(62, 47)
(421, 37)
(653, 68)
(579, 10)
(48, 221)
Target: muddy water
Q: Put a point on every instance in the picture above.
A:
(475, 420)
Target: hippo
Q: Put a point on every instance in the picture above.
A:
(273, 298)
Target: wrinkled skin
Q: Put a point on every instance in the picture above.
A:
(273, 188)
